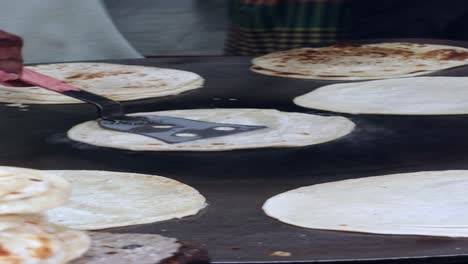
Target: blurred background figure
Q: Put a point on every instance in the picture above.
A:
(72, 30)
(64, 30)
(434, 19)
(263, 26)
(168, 28)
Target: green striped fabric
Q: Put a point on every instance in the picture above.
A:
(263, 26)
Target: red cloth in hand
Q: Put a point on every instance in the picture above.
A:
(11, 60)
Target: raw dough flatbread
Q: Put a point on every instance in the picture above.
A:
(108, 248)
(361, 62)
(284, 130)
(118, 82)
(431, 203)
(33, 190)
(103, 199)
(408, 96)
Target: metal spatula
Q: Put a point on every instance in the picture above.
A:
(168, 129)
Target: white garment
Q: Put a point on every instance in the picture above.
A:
(64, 30)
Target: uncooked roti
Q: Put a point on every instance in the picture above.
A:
(284, 130)
(408, 96)
(104, 199)
(431, 203)
(118, 82)
(108, 248)
(361, 62)
(26, 191)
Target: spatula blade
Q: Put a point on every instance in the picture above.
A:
(174, 130)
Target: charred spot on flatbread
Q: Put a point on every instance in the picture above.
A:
(445, 54)
(44, 250)
(4, 252)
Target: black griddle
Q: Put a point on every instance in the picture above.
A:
(236, 183)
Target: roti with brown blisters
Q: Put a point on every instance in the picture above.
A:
(35, 241)
(115, 81)
(361, 61)
(26, 191)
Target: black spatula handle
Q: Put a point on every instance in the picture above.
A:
(107, 108)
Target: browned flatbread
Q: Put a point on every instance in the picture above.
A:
(116, 81)
(361, 62)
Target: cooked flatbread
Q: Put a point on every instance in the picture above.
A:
(108, 248)
(14, 220)
(284, 130)
(431, 203)
(118, 82)
(304, 76)
(361, 62)
(35, 241)
(408, 96)
(74, 243)
(26, 191)
(103, 199)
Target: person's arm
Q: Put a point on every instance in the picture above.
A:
(11, 60)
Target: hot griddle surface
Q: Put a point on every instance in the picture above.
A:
(236, 183)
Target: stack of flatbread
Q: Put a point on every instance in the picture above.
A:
(361, 62)
(25, 234)
(118, 82)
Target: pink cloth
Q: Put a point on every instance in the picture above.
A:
(44, 81)
(11, 61)
(6, 76)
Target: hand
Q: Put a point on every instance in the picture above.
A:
(11, 61)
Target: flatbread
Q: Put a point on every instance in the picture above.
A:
(14, 220)
(27, 191)
(108, 248)
(75, 243)
(103, 199)
(284, 130)
(35, 241)
(361, 62)
(409, 96)
(118, 82)
(431, 203)
(304, 76)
